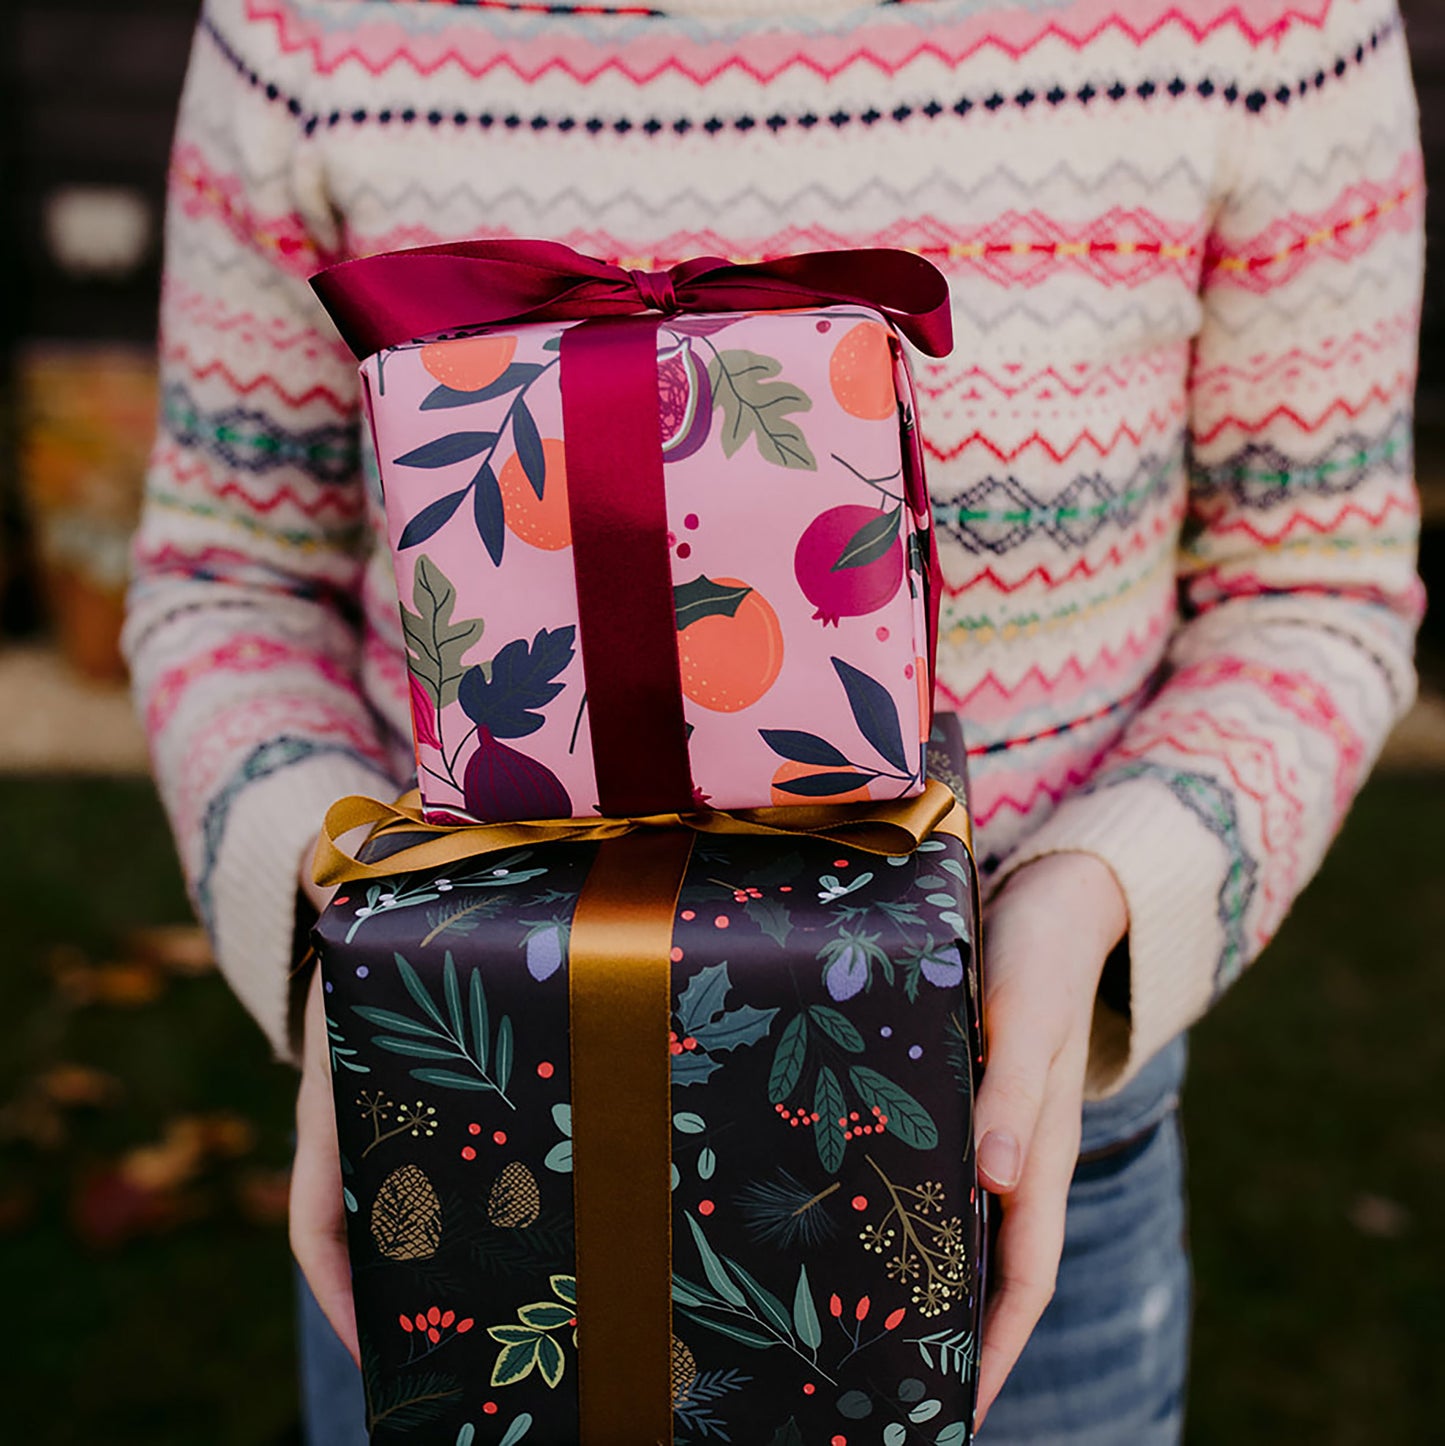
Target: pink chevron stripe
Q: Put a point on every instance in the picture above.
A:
(1122, 247)
(1231, 523)
(184, 307)
(938, 380)
(1364, 215)
(1380, 394)
(995, 791)
(1155, 424)
(247, 653)
(186, 468)
(1353, 350)
(884, 46)
(201, 191)
(178, 354)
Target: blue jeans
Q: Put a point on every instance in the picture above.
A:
(1106, 1366)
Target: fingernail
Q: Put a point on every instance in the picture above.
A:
(998, 1158)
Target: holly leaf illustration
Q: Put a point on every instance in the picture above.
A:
(704, 598)
(704, 998)
(803, 747)
(756, 404)
(735, 1029)
(522, 682)
(692, 1067)
(874, 711)
(873, 540)
(435, 643)
(443, 451)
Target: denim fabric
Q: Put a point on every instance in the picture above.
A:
(1106, 1366)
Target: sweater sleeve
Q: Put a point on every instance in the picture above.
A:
(241, 632)
(1299, 597)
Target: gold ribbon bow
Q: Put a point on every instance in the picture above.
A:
(620, 1005)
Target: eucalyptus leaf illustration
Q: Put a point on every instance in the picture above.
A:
(756, 403)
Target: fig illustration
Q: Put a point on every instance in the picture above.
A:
(503, 783)
(684, 401)
(849, 562)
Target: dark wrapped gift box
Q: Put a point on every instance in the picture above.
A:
(824, 1218)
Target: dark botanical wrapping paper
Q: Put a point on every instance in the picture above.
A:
(826, 1224)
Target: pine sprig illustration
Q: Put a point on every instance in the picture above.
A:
(783, 1212)
(453, 1037)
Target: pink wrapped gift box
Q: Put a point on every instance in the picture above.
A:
(797, 532)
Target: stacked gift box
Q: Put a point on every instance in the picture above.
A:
(654, 1016)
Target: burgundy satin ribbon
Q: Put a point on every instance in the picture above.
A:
(627, 620)
(401, 296)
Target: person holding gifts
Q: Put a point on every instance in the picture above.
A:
(1170, 465)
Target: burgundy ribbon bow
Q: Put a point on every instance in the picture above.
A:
(402, 296)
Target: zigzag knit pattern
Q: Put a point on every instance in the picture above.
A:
(1170, 456)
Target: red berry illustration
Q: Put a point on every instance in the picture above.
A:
(845, 566)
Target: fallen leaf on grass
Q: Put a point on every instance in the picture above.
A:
(176, 948)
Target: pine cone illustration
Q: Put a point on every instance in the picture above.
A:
(684, 1371)
(406, 1217)
(514, 1202)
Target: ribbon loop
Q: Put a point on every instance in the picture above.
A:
(403, 296)
(656, 290)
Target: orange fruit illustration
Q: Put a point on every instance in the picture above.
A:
(471, 363)
(544, 522)
(861, 371)
(790, 771)
(925, 699)
(728, 663)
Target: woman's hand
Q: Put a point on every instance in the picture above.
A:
(1047, 934)
(318, 1219)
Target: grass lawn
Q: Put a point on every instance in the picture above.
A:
(1316, 1138)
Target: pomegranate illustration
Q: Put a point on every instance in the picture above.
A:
(501, 782)
(684, 401)
(850, 561)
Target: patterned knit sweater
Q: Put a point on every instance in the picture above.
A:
(1170, 456)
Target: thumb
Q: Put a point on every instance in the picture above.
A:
(1021, 1053)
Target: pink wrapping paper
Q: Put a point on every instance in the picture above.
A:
(797, 516)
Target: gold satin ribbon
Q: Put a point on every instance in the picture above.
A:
(620, 1002)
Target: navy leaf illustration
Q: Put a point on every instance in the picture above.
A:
(802, 747)
(443, 451)
(874, 712)
(440, 397)
(529, 446)
(507, 703)
(825, 785)
(516, 375)
(488, 512)
(430, 518)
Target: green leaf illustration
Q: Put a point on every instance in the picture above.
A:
(435, 644)
(513, 1335)
(550, 1360)
(787, 1435)
(788, 1060)
(733, 1331)
(504, 1052)
(519, 1428)
(564, 1287)
(837, 1027)
(805, 1314)
(450, 1079)
(514, 1363)
(480, 1026)
(688, 1123)
(713, 1268)
(706, 1163)
(908, 1120)
(417, 989)
(755, 403)
(829, 1106)
(704, 598)
(772, 1309)
(452, 992)
(872, 541)
(546, 1315)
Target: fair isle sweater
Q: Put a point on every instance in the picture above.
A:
(1170, 456)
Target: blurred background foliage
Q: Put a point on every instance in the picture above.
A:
(143, 1127)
